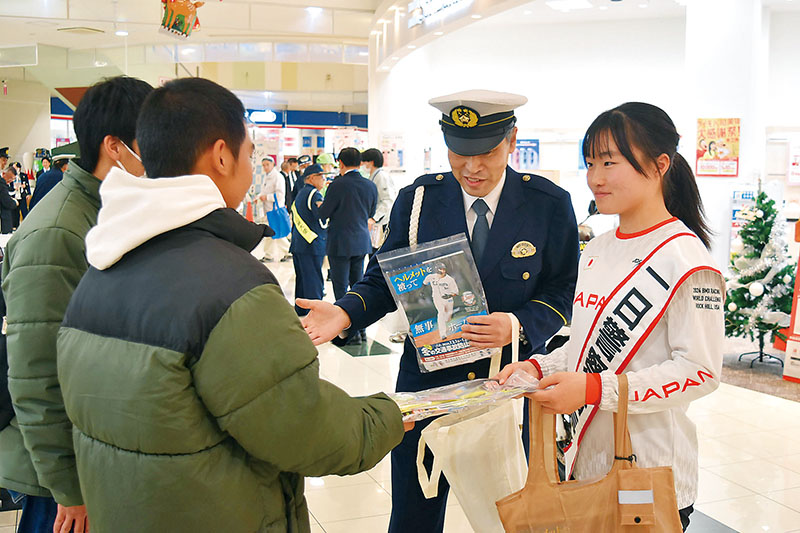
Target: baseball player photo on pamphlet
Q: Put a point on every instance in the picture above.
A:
(437, 286)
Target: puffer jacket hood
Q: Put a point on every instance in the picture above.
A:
(137, 209)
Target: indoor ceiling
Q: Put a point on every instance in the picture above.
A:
(49, 21)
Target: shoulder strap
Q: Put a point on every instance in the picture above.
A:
(416, 209)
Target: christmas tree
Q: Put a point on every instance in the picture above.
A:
(760, 288)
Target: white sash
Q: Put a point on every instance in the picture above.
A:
(630, 313)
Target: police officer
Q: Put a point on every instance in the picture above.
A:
(524, 239)
(309, 235)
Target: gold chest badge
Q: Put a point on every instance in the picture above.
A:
(523, 249)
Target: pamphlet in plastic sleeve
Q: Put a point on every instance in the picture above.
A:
(437, 286)
(459, 396)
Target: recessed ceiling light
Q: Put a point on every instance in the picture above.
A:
(314, 11)
(363, 54)
(566, 5)
(121, 33)
(476, 17)
(411, 46)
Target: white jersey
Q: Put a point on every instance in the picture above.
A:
(680, 360)
(444, 288)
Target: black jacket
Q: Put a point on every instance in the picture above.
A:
(7, 207)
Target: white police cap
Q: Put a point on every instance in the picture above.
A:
(476, 121)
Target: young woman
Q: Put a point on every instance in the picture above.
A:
(648, 303)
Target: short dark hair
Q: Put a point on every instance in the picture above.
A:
(61, 163)
(374, 156)
(292, 160)
(183, 119)
(12, 169)
(349, 157)
(109, 107)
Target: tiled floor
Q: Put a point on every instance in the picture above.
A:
(749, 454)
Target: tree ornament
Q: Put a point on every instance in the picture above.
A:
(737, 245)
(787, 279)
(732, 307)
(756, 289)
(760, 213)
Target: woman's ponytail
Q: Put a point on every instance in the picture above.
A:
(682, 198)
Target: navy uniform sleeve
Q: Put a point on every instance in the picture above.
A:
(370, 299)
(551, 306)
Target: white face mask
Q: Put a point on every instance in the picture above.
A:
(134, 154)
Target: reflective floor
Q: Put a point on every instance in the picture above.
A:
(749, 453)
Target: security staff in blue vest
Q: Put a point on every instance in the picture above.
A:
(309, 237)
(350, 202)
(524, 240)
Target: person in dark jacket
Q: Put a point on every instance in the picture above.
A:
(349, 203)
(47, 181)
(7, 203)
(186, 373)
(309, 237)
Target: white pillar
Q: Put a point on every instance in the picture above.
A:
(727, 48)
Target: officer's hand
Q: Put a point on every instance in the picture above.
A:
(567, 395)
(509, 369)
(324, 321)
(488, 331)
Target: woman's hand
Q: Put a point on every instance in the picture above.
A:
(567, 395)
(510, 368)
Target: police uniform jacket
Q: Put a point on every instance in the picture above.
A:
(537, 288)
(7, 207)
(350, 201)
(305, 208)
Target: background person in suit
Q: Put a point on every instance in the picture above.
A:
(7, 203)
(45, 182)
(349, 202)
(524, 239)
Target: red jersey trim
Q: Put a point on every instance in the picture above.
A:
(624, 236)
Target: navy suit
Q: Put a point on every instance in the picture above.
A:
(538, 289)
(45, 184)
(350, 201)
(307, 256)
(7, 207)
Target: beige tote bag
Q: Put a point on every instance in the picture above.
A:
(627, 499)
(480, 452)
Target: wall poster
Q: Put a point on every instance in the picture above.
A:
(717, 147)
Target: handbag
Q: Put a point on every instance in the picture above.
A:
(479, 451)
(627, 499)
(278, 219)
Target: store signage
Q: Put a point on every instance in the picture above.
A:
(793, 170)
(263, 117)
(718, 147)
(420, 11)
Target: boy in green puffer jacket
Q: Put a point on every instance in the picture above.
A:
(44, 262)
(193, 388)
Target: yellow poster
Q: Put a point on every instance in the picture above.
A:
(718, 147)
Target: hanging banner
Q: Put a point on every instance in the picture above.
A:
(718, 147)
(793, 169)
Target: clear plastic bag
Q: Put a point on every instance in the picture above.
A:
(437, 286)
(459, 396)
